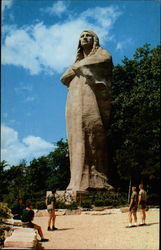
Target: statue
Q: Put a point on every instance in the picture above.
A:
(87, 114)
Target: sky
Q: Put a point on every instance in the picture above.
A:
(39, 42)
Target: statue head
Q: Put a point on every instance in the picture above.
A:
(95, 45)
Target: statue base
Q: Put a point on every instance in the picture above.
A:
(69, 196)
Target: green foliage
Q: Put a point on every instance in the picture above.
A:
(62, 205)
(4, 179)
(86, 203)
(99, 203)
(135, 120)
(72, 205)
(5, 212)
(59, 175)
(104, 198)
(40, 204)
(31, 182)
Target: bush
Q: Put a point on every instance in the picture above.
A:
(40, 204)
(5, 213)
(99, 203)
(104, 198)
(86, 203)
(60, 204)
(72, 206)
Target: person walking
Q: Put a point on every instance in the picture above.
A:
(27, 218)
(133, 207)
(51, 202)
(142, 203)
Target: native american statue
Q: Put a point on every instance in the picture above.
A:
(87, 114)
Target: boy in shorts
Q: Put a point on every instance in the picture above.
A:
(50, 202)
(142, 203)
(133, 207)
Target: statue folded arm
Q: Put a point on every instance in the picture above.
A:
(95, 68)
(68, 76)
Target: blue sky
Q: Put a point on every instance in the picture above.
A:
(39, 41)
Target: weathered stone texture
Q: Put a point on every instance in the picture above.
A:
(87, 115)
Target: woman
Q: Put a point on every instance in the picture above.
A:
(87, 113)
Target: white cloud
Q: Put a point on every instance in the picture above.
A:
(40, 48)
(58, 8)
(123, 44)
(24, 91)
(30, 99)
(6, 4)
(104, 16)
(13, 150)
(119, 46)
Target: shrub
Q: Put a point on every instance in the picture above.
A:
(72, 206)
(86, 203)
(99, 203)
(104, 198)
(60, 204)
(5, 213)
(40, 204)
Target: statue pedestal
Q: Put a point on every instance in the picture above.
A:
(68, 196)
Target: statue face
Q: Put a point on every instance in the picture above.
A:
(86, 39)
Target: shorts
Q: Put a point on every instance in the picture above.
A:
(142, 205)
(51, 211)
(28, 224)
(133, 209)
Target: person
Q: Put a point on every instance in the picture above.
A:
(142, 203)
(133, 207)
(50, 202)
(17, 209)
(87, 113)
(27, 218)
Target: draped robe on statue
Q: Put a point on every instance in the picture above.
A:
(87, 116)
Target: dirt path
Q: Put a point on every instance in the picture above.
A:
(108, 231)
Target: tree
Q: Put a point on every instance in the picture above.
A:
(135, 121)
(4, 180)
(59, 160)
(16, 182)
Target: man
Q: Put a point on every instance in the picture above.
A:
(142, 203)
(27, 218)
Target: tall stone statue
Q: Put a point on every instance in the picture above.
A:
(87, 114)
